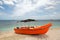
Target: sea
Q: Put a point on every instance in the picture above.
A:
(8, 25)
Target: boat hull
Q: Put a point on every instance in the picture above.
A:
(36, 31)
(40, 30)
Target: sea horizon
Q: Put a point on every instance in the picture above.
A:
(6, 25)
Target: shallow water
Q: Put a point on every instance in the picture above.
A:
(6, 25)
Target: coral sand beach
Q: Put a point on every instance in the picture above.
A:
(52, 34)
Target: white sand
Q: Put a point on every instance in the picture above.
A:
(52, 34)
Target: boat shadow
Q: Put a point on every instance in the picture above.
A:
(36, 37)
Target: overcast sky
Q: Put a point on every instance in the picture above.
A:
(29, 9)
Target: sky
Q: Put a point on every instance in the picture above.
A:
(29, 9)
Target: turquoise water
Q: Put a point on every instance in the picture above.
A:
(6, 25)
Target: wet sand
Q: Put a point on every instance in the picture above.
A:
(52, 34)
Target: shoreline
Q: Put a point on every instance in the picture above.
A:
(52, 34)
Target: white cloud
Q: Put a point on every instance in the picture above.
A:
(15, 1)
(34, 17)
(52, 4)
(27, 6)
(2, 7)
(50, 7)
(9, 2)
(51, 16)
(1, 3)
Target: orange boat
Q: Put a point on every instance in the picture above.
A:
(30, 30)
